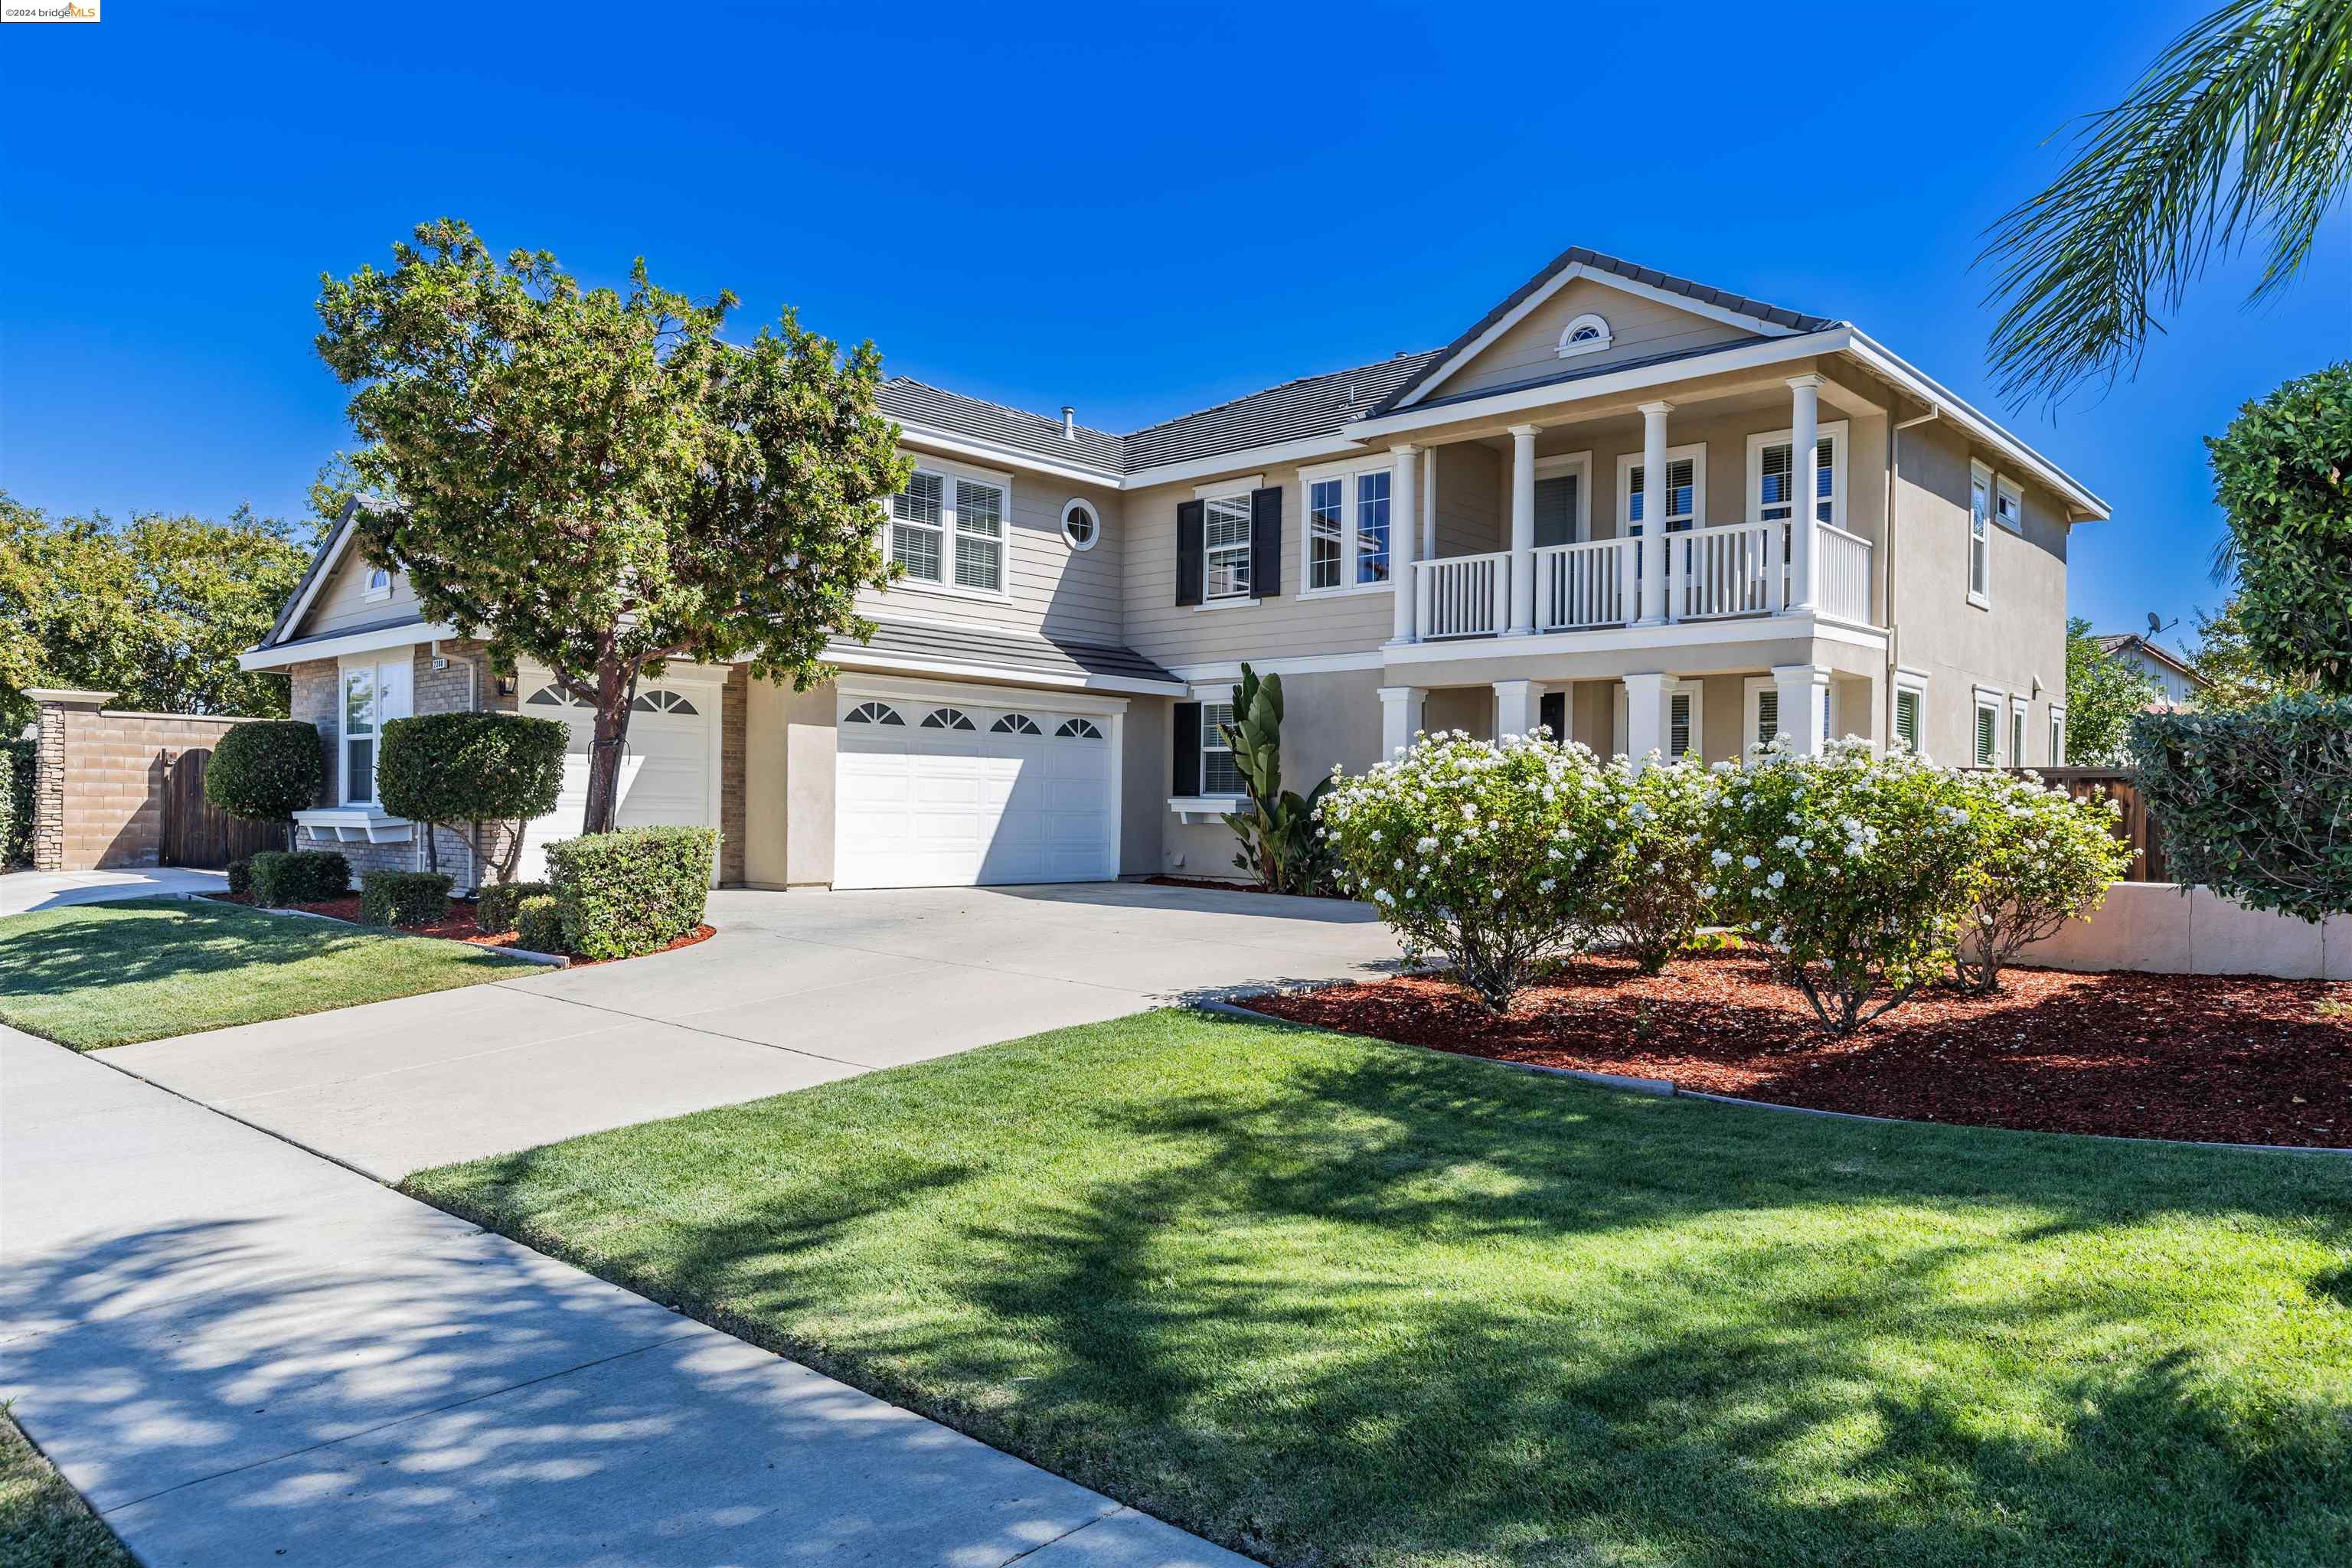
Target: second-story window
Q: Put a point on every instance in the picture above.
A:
(1327, 533)
(1681, 499)
(1372, 526)
(1979, 533)
(936, 509)
(1773, 482)
(1347, 542)
(1225, 542)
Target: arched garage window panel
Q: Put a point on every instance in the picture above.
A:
(873, 713)
(946, 719)
(553, 697)
(1016, 724)
(661, 702)
(1586, 334)
(1078, 730)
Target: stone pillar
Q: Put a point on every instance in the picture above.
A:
(1649, 716)
(1802, 689)
(1804, 451)
(1400, 717)
(1514, 707)
(1404, 532)
(49, 767)
(1522, 532)
(1654, 507)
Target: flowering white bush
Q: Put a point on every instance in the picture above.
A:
(2044, 858)
(1651, 897)
(1488, 854)
(1854, 871)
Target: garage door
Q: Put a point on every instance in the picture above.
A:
(933, 794)
(665, 771)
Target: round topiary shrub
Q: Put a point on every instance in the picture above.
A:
(483, 771)
(267, 770)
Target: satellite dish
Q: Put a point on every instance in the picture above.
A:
(2155, 623)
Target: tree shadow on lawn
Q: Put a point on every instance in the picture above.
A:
(1377, 1307)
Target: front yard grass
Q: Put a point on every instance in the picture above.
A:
(92, 975)
(1332, 1301)
(44, 1523)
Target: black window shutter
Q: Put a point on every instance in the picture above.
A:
(1265, 542)
(1191, 556)
(1187, 782)
(1552, 713)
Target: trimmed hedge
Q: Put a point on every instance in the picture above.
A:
(404, 898)
(2256, 806)
(283, 877)
(472, 771)
(267, 770)
(240, 877)
(17, 762)
(494, 906)
(631, 892)
(538, 924)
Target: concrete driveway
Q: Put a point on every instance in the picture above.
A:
(797, 989)
(22, 892)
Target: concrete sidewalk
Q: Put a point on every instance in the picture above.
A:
(244, 1354)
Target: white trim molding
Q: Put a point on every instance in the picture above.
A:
(355, 825)
(902, 689)
(1588, 334)
(853, 657)
(1093, 516)
(402, 636)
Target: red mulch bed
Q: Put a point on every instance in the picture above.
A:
(2225, 1059)
(457, 926)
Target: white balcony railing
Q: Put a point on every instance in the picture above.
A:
(1581, 584)
(1711, 574)
(1845, 574)
(1463, 595)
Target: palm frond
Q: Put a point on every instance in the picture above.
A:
(2242, 128)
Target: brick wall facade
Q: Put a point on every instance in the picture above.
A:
(734, 710)
(98, 779)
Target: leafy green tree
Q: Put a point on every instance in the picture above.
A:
(596, 481)
(2236, 679)
(2283, 472)
(2103, 694)
(1280, 843)
(2256, 806)
(156, 610)
(2242, 130)
(492, 772)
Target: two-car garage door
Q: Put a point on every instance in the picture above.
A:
(943, 793)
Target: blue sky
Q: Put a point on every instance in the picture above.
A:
(1140, 211)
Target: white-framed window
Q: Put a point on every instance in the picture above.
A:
(1081, 524)
(1911, 709)
(1226, 547)
(1772, 480)
(378, 585)
(1685, 718)
(947, 529)
(2020, 710)
(1765, 720)
(1981, 493)
(1685, 490)
(1986, 751)
(1564, 499)
(2057, 736)
(1218, 775)
(1587, 334)
(2009, 505)
(1345, 539)
(375, 691)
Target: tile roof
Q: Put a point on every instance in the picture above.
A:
(1311, 406)
(987, 647)
(910, 401)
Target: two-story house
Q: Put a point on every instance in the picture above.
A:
(1648, 513)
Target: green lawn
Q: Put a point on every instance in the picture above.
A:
(44, 1523)
(90, 975)
(1329, 1300)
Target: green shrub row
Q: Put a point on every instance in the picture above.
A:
(539, 923)
(404, 898)
(16, 765)
(2256, 804)
(494, 906)
(283, 877)
(630, 892)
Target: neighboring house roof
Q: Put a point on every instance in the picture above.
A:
(978, 649)
(912, 402)
(1595, 262)
(2133, 642)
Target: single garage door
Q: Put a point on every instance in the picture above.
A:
(942, 794)
(667, 773)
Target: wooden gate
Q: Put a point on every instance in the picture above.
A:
(2134, 827)
(196, 832)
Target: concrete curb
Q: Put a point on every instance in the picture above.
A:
(1666, 1088)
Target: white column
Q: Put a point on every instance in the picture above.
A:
(1428, 505)
(1400, 717)
(1649, 717)
(1653, 512)
(1802, 689)
(1404, 532)
(1523, 531)
(1805, 440)
(1515, 707)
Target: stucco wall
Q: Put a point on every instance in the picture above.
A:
(1327, 717)
(2158, 929)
